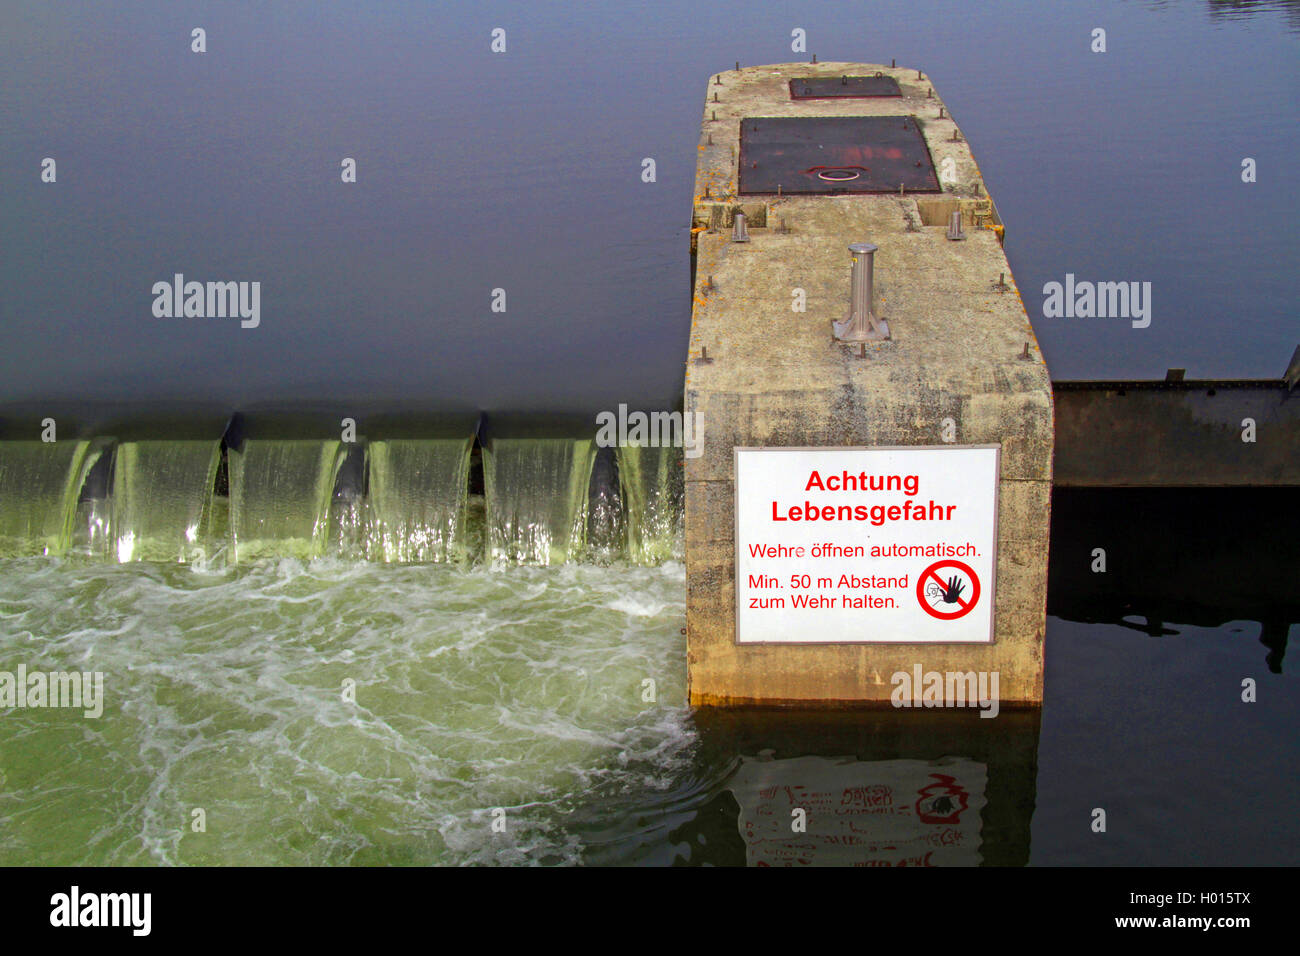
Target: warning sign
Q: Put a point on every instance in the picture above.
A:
(866, 545)
(940, 588)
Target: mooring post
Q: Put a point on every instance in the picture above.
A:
(954, 226)
(739, 232)
(862, 325)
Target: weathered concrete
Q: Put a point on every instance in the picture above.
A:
(961, 348)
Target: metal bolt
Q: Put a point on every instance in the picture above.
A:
(737, 66)
(715, 116)
(778, 190)
(1025, 354)
(861, 325)
(1002, 282)
(929, 92)
(717, 80)
(892, 64)
(954, 226)
(710, 139)
(918, 74)
(715, 97)
(977, 188)
(902, 189)
(956, 136)
(814, 57)
(940, 109)
(703, 358)
(739, 233)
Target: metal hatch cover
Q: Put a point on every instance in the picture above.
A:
(850, 87)
(834, 154)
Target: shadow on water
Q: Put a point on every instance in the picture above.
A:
(1147, 558)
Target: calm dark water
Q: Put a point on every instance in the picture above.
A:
(521, 171)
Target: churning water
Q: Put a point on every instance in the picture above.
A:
(476, 689)
(332, 668)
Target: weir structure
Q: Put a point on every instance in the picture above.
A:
(864, 308)
(393, 484)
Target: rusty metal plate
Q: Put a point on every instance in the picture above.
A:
(834, 87)
(835, 154)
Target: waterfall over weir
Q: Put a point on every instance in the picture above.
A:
(394, 500)
(417, 499)
(280, 497)
(537, 498)
(652, 485)
(39, 486)
(161, 499)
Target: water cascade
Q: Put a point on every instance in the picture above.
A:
(417, 499)
(161, 496)
(606, 522)
(398, 500)
(651, 484)
(39, 485)
(537, 498)
(280, 496)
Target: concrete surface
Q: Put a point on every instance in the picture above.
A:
(775, 377)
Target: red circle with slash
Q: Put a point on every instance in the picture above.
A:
(932, 574)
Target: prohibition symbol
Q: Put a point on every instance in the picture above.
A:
(948, 584)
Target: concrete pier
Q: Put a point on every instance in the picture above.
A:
(961, 371)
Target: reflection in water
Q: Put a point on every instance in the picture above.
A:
(875, 789)
(805, 811)
(1228, 10)
(1202, 557)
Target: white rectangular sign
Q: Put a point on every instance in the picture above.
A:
(866, 545)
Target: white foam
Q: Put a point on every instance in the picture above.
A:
(474, 689)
